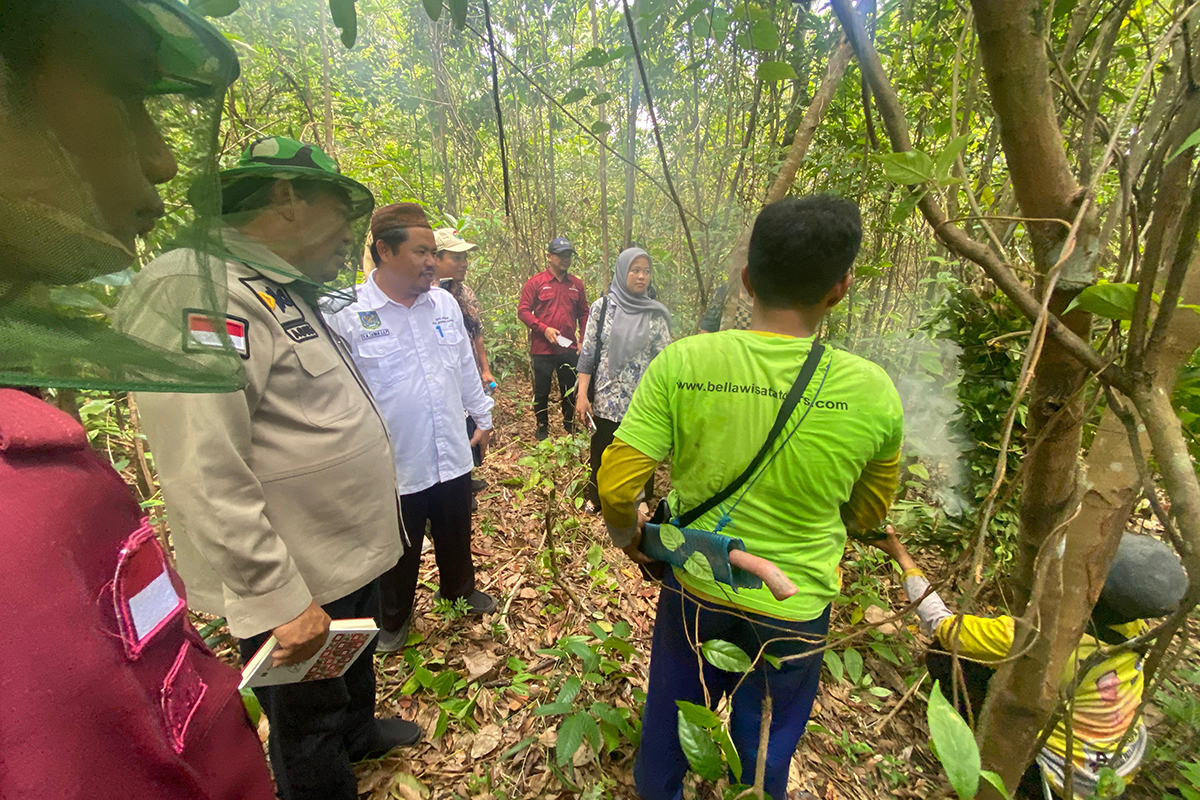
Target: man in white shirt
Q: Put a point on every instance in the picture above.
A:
(408, 339)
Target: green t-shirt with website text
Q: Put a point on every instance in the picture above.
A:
(711, 400)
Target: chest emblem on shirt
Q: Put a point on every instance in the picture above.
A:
(369, 319)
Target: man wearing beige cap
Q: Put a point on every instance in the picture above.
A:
(451, 268)
(408, 339)
(452, 251)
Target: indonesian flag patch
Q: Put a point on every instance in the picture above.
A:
(202, 331)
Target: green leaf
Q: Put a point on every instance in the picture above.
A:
(600, 128)
(919, 470)
(433, 8)
(458, 13)
(930, 361)
(214, 8)
(570, 736)
(596, 57)
(773, 71)
(834, 663)
(619, 53)
(1109, 300)
(443, 720)
(586, 654)
(575, 95)
(611, 734)
(773, 661)
(909, 167)
(906, 206)
(762, 36)
(253, 709)
(552, 708)
(697, 565)
(569, 691)
(998, 782)
(854, 665)
(346, 19)
(603, 97)
(886, 653)
(702, 752)
(692, 9)
(74, 297)
(1190, 141)
(725, 655)
(671, 538)
(946, 158)
(750, 11)
(731, 754)
(955, 744)
(703, 716)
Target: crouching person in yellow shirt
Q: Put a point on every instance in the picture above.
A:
(711, 400)
(1146, 580)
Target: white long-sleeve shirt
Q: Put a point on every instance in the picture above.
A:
(420, 367)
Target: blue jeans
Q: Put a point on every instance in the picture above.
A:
(661, 764)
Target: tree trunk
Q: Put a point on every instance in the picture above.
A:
(1012, 47)
(839, 58)
(599, 73)
(441, 94)
(551, 182)
(326, 69)
(630, 151)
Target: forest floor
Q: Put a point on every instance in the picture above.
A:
(494, 695)
(855, 747)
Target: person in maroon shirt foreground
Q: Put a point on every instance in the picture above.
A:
(107, 689)
(554, 307)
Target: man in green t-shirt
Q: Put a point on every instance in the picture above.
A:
(711, 400)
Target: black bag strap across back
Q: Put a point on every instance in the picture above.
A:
(785, 412)
(600, 328)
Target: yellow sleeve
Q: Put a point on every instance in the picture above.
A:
(979, 638)
(624, 471)
(872, 494)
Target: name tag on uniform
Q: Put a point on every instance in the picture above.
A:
(362, 337)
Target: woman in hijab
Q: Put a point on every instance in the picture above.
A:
(625, 330)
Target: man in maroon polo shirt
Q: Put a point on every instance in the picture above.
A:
(553, 304)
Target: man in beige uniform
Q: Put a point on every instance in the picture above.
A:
(282, 496)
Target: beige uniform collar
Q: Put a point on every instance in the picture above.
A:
(257, 256)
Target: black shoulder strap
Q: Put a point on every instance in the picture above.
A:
(600, 327)
(785, 412)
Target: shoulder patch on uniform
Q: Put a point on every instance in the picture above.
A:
(299, 330)
(202, 332)
(275, 299)
(369, 319)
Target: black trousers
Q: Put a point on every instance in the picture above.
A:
(319, 728)
(544, 370)
(446, 507)
(606, 429)
(476, 453)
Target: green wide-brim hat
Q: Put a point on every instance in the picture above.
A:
(193, 57)
(281, 158)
